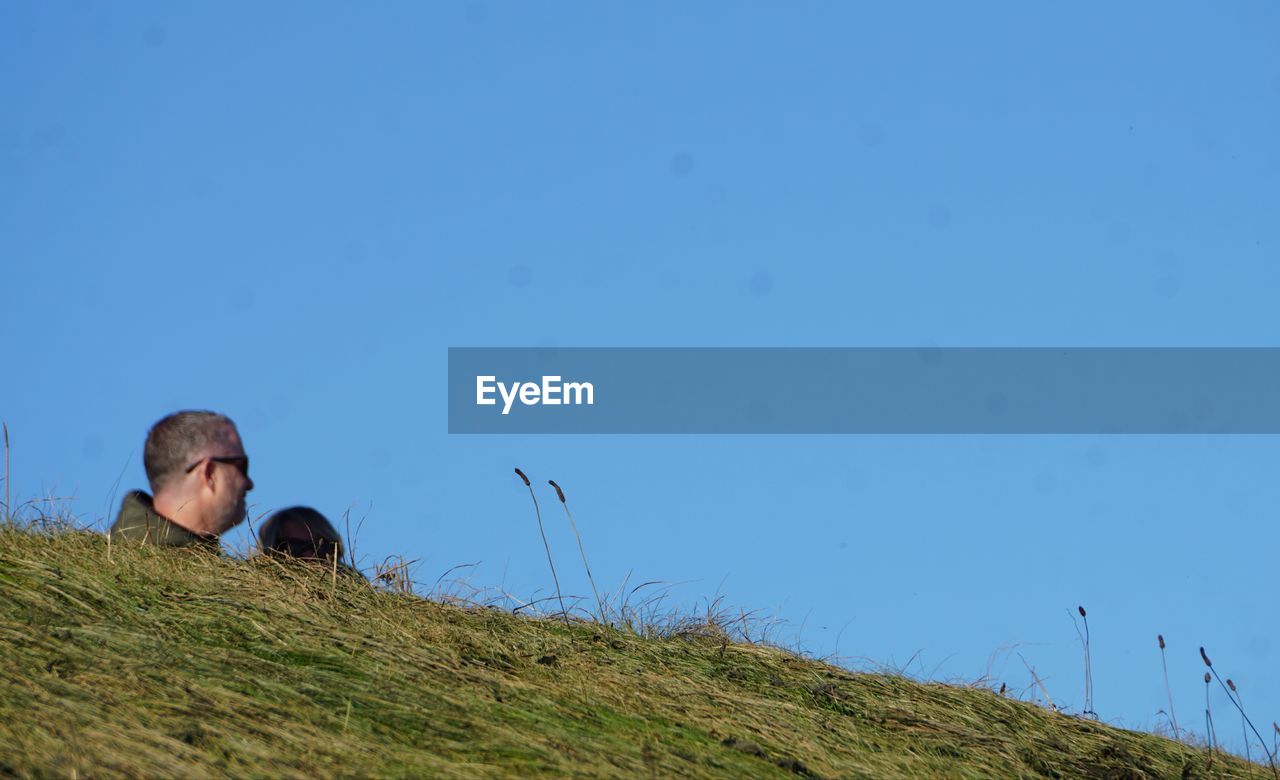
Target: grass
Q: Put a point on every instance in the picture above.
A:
(178, 663)
(1164, 667)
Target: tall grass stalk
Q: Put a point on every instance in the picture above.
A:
(1248, 755)
(346, 521)
(538, 510)
(1088, 663)
(7, 517)
(1208, 718)
(1271, 759)
(573, 526)
(1173, 716)
(334, 572)
(1038, 683)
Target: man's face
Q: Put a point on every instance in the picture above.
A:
(231, 483)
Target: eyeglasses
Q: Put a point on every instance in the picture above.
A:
(240, 462)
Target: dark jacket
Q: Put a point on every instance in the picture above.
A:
(139, 523)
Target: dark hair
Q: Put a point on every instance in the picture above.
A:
(316, 523)
(176, 440)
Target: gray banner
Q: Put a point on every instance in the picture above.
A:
(864, 390)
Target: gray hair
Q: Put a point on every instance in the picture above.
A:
(175, 441)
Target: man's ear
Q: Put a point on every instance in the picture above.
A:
(208, 474)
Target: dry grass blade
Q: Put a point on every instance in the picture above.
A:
(600, 614)
(1208, 711)
(1173, 716)
(1088, 662)
(1248, 754)
(7, 516)
(1038, 683)
(546, 545)
(1271, 757)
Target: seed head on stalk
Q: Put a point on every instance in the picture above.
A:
(546, 546)
(1208, 712)
(1088, 663)
(1233, 696)
(573, 526)
(1168, 691)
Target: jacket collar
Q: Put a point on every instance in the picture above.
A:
(138, 521)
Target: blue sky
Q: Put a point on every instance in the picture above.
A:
(288, 212)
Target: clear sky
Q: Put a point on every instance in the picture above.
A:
(289, 211)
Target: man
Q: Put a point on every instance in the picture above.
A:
(199, 473)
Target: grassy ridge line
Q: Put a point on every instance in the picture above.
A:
(157, 662)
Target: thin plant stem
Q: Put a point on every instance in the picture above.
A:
(538, 510)
(1088, 662)
(334, 570)
(582, 552)
(1248, 755)
(1271, 760)
(1173, 716)
(1038, 683)
(1088, 657)
(1208, 718)
(346, 520)
(7, 514)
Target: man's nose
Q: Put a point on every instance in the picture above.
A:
(250, 487)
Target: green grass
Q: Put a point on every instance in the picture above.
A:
(143, 662)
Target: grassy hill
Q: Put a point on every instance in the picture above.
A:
(126, 661)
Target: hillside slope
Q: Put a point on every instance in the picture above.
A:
(125, 662)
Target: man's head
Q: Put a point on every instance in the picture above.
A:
(198, 470)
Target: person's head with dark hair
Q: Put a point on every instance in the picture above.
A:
(199, 473)
(300, 532)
